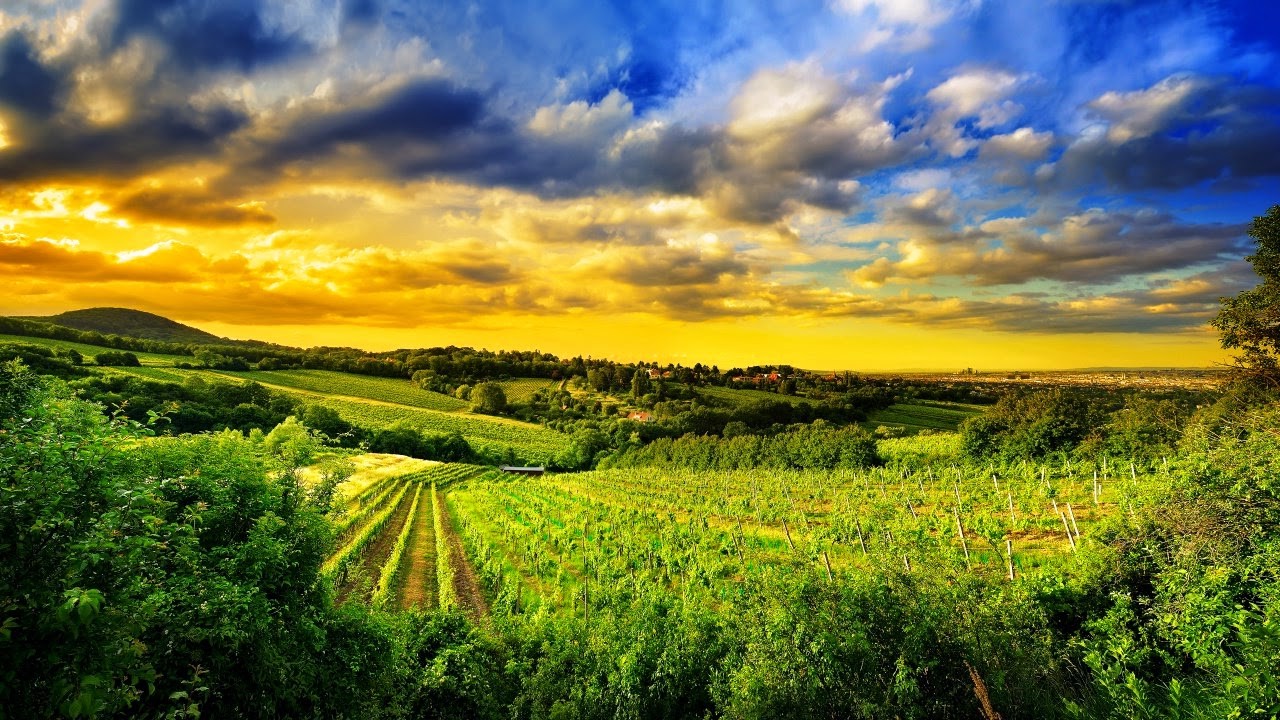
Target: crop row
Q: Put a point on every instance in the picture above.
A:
(391, 569)
(521, 390)
(444, 562)
(338, 565)
(368, 503)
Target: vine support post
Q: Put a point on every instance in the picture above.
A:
(788, 534)
(964, 544)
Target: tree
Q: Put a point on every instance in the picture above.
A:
(1250, 321)
(292, 443)
(640, 384)
(488, 398)
(116, 359)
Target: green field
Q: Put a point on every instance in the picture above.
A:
(329, 382)
(520, 390)
(709, 532)
(923, 415)
(367, 401)
(89, 351)
(741, 397)
(533, 442)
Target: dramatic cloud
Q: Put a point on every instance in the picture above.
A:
(830, 168)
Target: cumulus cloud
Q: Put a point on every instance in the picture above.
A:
(1177, 133)
(1091, 247)
(978, 94)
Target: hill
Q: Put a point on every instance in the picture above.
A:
(132, 323)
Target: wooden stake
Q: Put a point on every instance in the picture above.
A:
(1012, 518)
(913, 510)
(827, 561)
(964, 544)
(1070, 539)
(906, 561)
(861, 542)
(1008, 556)
(788, 532)
(1073, 520)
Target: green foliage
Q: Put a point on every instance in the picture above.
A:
(816, 446)
(116, 359)
(1250, 321)
(292, 443)
(488, 398)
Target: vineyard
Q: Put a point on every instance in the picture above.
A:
(520, 390)
(917, 416)
(534, 443)
(571, 542)
(396, 543)
(336, 384)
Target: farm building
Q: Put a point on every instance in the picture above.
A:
(538, 470)
(640, 416)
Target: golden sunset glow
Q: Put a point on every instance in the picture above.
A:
(882, 197)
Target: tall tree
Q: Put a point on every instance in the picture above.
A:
(1250, 321)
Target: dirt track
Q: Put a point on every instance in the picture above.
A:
(418, 585)
(465, 584)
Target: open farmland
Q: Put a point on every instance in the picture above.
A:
(734, 397)
(367, 401)
(89, 351)
(570, 541)
(532, 442)
(916, 416)
(520, 390)
(328, 382)
(393, 544)
(368, 469)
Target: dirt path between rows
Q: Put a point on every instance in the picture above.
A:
(371, 561)
(418, 582)
(466, 586)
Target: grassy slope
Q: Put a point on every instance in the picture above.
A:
(392, 390)
(369, 401)
(482, 431)
(917, 416)
(152, 359)
(742, 397)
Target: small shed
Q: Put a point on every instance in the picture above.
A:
(538, 470)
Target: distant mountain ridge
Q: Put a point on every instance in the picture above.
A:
(132, 323)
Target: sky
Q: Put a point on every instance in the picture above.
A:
(848, 184)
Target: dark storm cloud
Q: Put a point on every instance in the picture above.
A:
(26, 84)
(152, 137)
(426, 127)
(206, 34)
